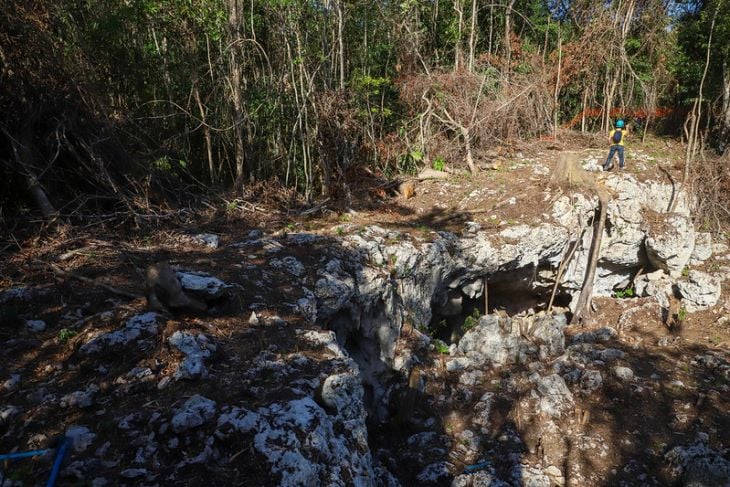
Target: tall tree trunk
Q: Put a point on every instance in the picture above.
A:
(341, 41)
(556, 101)
(507, 32)
(473, 35)
(235, 19)
(725, 129)
(458, 51)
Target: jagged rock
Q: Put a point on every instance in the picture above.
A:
(703, 248)
(36, 326)
(585, 352)
(21, 294)
(194, 412)
(555, 397)
(197, 348)
(700, 291)
(591, 380)
(289, 264)
(79, 437)
(7, 413)
(700, 466)
(434, 472)
(324, 339)
(344, 394)
(200, 282)
(205, 239)
(482, 412)
(603, 334)
(670, 242)
(80, 399)
(657, 284)
(507, 340)
(12, 383)
(457, 364)
(306, 306)
(133, 473)
(140, 326)
(623, 373)
(482, 478)
(335, 451)
(529, 476)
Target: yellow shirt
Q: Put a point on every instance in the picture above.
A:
(623, 137)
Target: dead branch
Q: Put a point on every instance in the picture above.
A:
(586, 292)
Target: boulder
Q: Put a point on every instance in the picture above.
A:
(700, 291)
(703, 248)
(670, 241)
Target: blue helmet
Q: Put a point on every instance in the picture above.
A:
(619, 124)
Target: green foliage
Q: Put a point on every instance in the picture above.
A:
(625, 293)
(439, 163)
(64, 334)
(682, 314)
(440, 347)
(471, 321)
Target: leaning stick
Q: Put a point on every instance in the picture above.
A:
(94, 282)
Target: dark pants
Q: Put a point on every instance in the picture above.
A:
(609, 160)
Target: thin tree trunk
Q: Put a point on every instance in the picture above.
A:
(725, 114)
(473, 35)
(556, 100)
(583, 112)
(507, 32)
(206, 133)
(458, 53)
(341, 41)
(236, 78)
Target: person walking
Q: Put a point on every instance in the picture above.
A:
(616, 139)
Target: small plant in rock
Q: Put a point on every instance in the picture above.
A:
(65, 335)
(439, 163)
(625, 293)
(685, 272)
(471, 320)
(423, 229)
(345, 217)
(440, 347)
(340, 231)
(682, 314)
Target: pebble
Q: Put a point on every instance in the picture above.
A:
(36, 326)
(623, 373)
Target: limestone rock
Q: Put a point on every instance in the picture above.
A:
(79, 437)
(344, 393)
(194, 412)
(700, 466)
(140, 326)
(700, 291)
(555, 397)
(196, 348)
(506, 340)
(335, 451)
(670, 242)
(623, 373)
(703, 248)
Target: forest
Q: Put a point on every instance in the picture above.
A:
(114, 107)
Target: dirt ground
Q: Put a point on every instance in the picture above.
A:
(652, 415)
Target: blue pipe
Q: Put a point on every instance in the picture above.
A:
(23, 454)
(60, 453)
